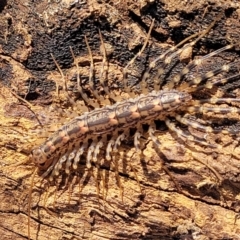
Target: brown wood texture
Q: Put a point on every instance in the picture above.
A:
(183, 192)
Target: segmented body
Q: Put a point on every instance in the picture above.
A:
(105, 128)
(106, 120)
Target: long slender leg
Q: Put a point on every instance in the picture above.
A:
(151, 130)
(79, 83)
(210, 85)
(187, 137)
(30, 201)
(210, 74)
(118, 141)
(215, 100)
(203, 109)
(125, 70)
(69, 161)
(103, 73)
(90, 153)
(167, 60)
(58, 167)
(97, 150)
(64, 79)
(198, 62)
(91, 73)
(198, 126)
(79, 154)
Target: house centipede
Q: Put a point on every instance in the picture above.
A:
(108, 126)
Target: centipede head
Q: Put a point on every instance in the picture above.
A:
(40, 159)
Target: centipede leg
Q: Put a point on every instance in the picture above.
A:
(136, 177)
(223, 110)
(70, 191)
(65, 88)
(151, 130)
(30, 200)
(167, 60)
(79, 83)
(91, 72)
(196, 63)
(196, 158)
(187, 137)
(125, 70)
(115, 162)
(137, 136)
(58, 182)
(104, 72)
(196, 125)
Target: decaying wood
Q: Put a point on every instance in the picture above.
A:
(182, 194)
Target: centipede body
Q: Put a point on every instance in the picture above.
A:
(94, 145)
(106, 127)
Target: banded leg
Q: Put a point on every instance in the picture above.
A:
(168, 60)
(91, 72)
(224, 68)
(187, 137)
(125, 70)
(79, 82)
(115, 164)
(151, 130)
(198, 126)
(90, 153)
(70, 191)
(203, 109)
(215, 100)
(64, 81)
(58, 167)
(79, 154)
(50, 170)
(210, 85)
(137, 136)
(97, 150)
(118, 141)
(103, 73)
(196, 63)
(109, 149)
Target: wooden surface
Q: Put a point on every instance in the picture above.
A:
(183, 193)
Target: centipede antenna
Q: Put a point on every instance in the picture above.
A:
(29, 106)
(30, 199)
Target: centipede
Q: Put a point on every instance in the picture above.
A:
(102, 130)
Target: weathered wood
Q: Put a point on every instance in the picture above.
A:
(185, 193)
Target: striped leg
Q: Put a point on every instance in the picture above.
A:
(64, 79)
(174, 53)
(215, 100)
(186, 136)
(222, 110)
(125, 70)
(79, 82)
(210, 74)
(210, 85)
(151, 130)
(91, 72)
(198, 126)
(104, 72)
(196, 63)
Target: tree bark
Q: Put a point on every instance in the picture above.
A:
(175, 192)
